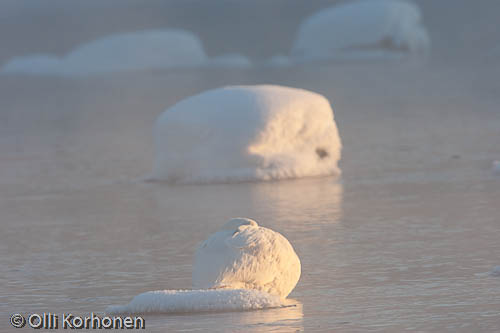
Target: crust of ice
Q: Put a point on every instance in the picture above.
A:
(244, 255)
(117, 53)
(363, 29)
(246, 133)
(191, 301)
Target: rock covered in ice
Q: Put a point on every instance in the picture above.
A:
(244, 255)
(243, 133)
(362, 29)
(117, 53)
(179, 301)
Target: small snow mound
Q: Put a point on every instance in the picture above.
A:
(496, 167)
(39, 64)
(230, 60)
(246, 133)
(362, 29)
(117, 53)
(495, 271)
(189, 301)
(278, 61)
(243, 254)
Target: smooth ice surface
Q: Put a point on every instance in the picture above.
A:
(241, 133)
(192, 301)
(404, 243)
(243, 254)
(362, 29)
(117, 53)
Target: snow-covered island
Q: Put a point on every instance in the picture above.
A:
(247, 133)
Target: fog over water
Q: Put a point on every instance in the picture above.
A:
(403, 241)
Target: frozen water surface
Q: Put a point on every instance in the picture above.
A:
(404, 240)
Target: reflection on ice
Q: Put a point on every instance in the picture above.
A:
(299, 204)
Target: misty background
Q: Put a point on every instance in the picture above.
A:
(400, 242)
(460, 30)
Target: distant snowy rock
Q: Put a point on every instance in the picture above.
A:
(244, 133)
(495, 271)
(230, 60)
(363, 29)
(496, 167)
(191, 301)
(118, 53)
(39, 64)
(279, 61)
(244, 255)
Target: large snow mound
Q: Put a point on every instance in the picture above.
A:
(362, 29)
(243, 133)
(189, 301)
(244, 255)
(240, 267)
(116, 53)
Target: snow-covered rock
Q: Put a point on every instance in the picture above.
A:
(362, 29)
(190, 301)
(496, 167)
(117, 53)
(243, 133)
(495, 271)
(241, 267)
(244, 255)
(38, 64)
(278, 61)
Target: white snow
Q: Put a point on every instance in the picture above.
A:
(116, 53)
(244, 255)
(178, 301)
(243, 133)
(241, 267)
(362, 29)
(231, 60)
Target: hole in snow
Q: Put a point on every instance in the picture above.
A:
(322, 153)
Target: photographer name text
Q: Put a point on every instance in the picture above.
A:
(49, 320)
